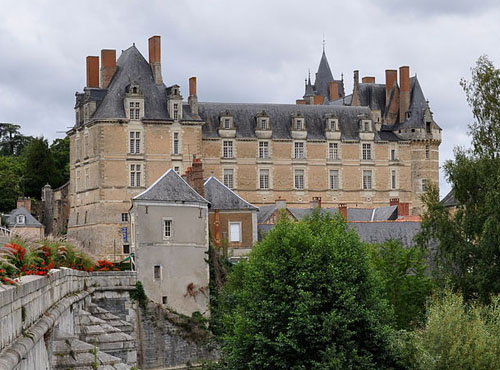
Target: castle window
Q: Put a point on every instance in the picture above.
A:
(299, 179)
(124, 217)
(176, 143)
(264, 124)
(228, 175)
(227, 123)
(393, 154)
(334, 180)
(135, 109)
(393, 179)
(264, 179)
(263, 149)
(157, 272)
(227, 149)
(428, 127)
(176, 110)
(135, 175)
(367, 179)
(333, 151)
(299, 124)
(424, 185)
(298, 150)
(20, 219)
(333, 125)
(167, 228)
(126, 249)
(427, 152)
(235, 232)
(366, 151)
(134, 142)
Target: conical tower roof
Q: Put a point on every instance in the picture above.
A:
(323, 77)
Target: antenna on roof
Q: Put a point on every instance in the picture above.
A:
(324, 42)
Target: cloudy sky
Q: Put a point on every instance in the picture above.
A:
(252, 51)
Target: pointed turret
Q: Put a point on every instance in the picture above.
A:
(323, 77)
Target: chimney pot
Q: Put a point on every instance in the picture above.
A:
(108, 66)
(192, 86)
(404, 95)
(368, 80)
(93, 71)
(155, 58)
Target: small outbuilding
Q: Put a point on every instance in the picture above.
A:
(21, 222)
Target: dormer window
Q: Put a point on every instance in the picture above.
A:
(135, 110)
(332, 124)
(176, 110)
(20, 219)
(428, 127)
(299, 124)
(264, 123)
(365, 125)
(226, 121)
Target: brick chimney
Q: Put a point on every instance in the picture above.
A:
(368, 80)
(315, 202)
(333, 89)
(93, 71)
(108, 67)
(404, 95)
(355, 93)
(391, 76)
(318, 99)
(403, 208)
(197, 176)
(343, 210)
(24, 202)
(155, 58)
(193, 98)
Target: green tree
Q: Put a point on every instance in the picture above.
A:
(405, 283)
(60, 152)
(12, 141)
(469, 255)
(306, 299)
(11, 171)
(40, 169)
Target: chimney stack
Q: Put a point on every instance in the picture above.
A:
(108, 67)
(196, 175)
(355, 94)
(333, 89)
(404, 95)
(24, 202)
(193, 98)
(343, 210)
(155, 58)
(93, 71)
(391, 76)
(403, 208)
(368, 80)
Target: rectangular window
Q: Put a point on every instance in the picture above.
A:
(299, 124)
(234, 232)
(126, 249)
(424, 185)
(299, 179)
(176, 143)
(227, 123)
(367, 179)
(263, 179)
(299, 150)
(263, 149)
(135, 175)
(393, 154)
(427, 152)
(135, 108)
(167, 228)
(367, 152)
(333, 151)
(263, 124)
(124, 217)
(393, 179)
(227, 149)
(229, 178)
(334, 180)
(176, 110)
(157, 272)
(134, 142)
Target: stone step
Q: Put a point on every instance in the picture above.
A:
(111, 319)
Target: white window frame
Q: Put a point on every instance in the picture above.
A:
(134, 109)
(135, 174)
(227, 149)
(297, 183)
(170, 222)
(176, 143)
(264, 179)
(21, 219)
(367, 179)
(299, 124)
(366, 151)
(134, 142)
(332, 174)
(229, 181)
(263, 123)
(230, 234)
(299, 150)
(333, 151)
(263, 150)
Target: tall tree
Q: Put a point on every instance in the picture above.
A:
(60, 152)
(12, 142)
(469, 252)
(306, 299)
(11, 171)
(40, 169)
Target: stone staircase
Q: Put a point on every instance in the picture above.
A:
(110, 319)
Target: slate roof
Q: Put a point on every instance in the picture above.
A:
(223, 198)
(323, 77)
(372, 95)
(132, 67)
(449, 200)
(170, 187)
(280, 119)
(30, 221)
(379, 232)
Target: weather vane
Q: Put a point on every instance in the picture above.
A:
(324, 42)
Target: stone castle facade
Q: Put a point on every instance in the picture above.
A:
(362, 149)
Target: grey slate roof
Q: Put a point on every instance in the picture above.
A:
(30, 221)
(379, 232)
(449, 200)
(170, 187)
(280, 119)
(132, 67)
(372, 95)
(323, 77)
(223, 198)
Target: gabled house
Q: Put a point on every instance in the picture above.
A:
(21, 222)
(169, 235)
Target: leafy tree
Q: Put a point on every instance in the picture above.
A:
(404, 280)
(469, 255)
(11, 171)
(457, 336)
(306, 299)
(40, 169)
(60, 152)
(12, 141)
